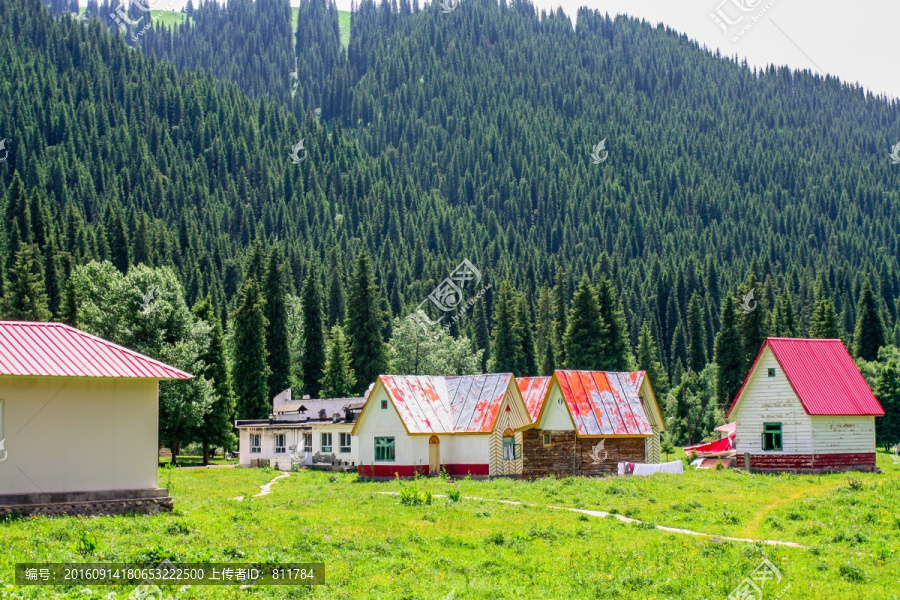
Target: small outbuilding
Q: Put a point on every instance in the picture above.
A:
(805, 407)
(78, 423)
(465, 425)
(586, 422)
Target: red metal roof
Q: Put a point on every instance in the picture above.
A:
(533, 389)
(605, 402)
(57, 350)
(435, 404)
(823, 375)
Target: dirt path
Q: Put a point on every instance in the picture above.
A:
(264, 489)
(603, 515)
(753, 524)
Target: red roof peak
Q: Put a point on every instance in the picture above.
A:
(823, 376)
(29, 348)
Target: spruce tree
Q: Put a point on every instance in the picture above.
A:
(678, 352)
(251, 384)
(312, 361)
(275, 289)
(338, 378)
(545, 333)
(824, 321)
(529, 358)
(585, 331)
(364, 324)
(560, 315)
(506, 349)
(116, 237)
(18, 219)
(887, 390)
(753, 324)
(482, 336)
(728, 355)
(618, 355)
(784, 320)
(217, 428)
(25, 298)
(648, 360)
(696, 334)
(868, 336)
(336, 307)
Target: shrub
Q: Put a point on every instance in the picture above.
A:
(412, 496)
(851, 572)
(454, 495)
(854, 484)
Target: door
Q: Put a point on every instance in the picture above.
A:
(434, 455)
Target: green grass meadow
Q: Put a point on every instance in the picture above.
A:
(375, 546)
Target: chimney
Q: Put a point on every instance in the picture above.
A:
(336, 417)
(323, 414)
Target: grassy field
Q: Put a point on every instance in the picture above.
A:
(375, 546)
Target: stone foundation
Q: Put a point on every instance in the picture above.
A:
(113, 502)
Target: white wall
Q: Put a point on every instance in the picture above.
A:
(293, 437)
(69, 434)
(843, 435)
(771, 400)
(556, 415)
(385, 422)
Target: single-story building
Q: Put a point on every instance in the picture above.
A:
(301, 429)
(465, 425)
(78, 423)
(805, 407)
(586, 422)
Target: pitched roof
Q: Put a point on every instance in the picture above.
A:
(605, 402)
(435, 404)
(823, 375)
(57, 350)
(533, 389)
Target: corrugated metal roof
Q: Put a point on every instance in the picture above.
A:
(434, 404)
(823, 375)
(57, 350)
(533, 389)
(605, 402)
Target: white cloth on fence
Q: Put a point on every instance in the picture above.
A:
(676, 466)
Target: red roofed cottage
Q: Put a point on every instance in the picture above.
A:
(586, 422)
(804, 406)
(78, 423)
(466, 425)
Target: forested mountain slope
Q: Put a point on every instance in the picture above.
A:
(440, 137)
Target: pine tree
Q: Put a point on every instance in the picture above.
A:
(528, 366)
(274, 286)
(313, 359)
(753, 324)
(544, 337)
(696, 352)
(648, 360)
(618, 355)
(678, 352)
(25, 298)
(585, 331)
(336, 307)
(887, 390)
(482, 336)
(18, 219)
(784, 320)
(251, 385)
(824, 321)
(728, 355)
(365, 321)
(116, 237)
(560, 312)
(868, 336)
(338, 379)
(217, 428)
(506, 349)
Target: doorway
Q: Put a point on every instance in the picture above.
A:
(434, 455)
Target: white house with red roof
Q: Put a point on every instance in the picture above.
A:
(78, 423)
(465, 425)
(586, 422)
(804, 406)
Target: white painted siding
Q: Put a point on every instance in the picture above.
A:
(771, 400)
(385, 422)
(556, 415)
(843, 435)
(69, 434)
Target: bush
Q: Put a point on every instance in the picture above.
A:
(851, 572)
(412, 496)
(454, 495)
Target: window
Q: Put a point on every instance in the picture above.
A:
(254, 443)
(384, 404)
(279, 443)
(511, 450)
(771, 437)
(546, 439)
(326, 443)
(771, 372)
(345, 442)
(384, 449)
(307, 442)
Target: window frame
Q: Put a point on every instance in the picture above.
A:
(770, 372)
(255, 448)
(776, 431)
(388, 447)
(281, 448)
(509, 441)
(345, 448)
(384, 405)
(546, 439)
(307, 436)
(326, 448)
